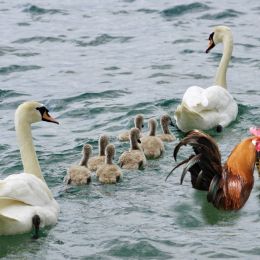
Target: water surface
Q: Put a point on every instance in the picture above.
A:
(95, 65)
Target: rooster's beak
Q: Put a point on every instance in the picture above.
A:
(258, 162)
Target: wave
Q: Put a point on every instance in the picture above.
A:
(229, 13)
(4, 94)
(36, 10)
(147, 11)
(17, 68)
(40, 39)
(179, 10)
(144, 248)
(103, 39)
(6, 50)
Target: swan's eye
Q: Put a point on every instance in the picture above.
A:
(211, 36)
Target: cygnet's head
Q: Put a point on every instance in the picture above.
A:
(87, 150)
(166, 120)
(139, 121)
(135, 135)
(110, 153)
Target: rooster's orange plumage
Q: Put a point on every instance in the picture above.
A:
(228, 186)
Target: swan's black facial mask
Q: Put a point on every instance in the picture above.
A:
(45, 115)
(211, 42)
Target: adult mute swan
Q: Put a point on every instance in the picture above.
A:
(213, 106)
(26, 202)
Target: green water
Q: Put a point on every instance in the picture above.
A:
(95, 65)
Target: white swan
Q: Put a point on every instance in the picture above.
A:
(25, 199)
(214, 106)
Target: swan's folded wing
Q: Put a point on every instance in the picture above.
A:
(15, 216)
(195, 99)
(6, 205)
(218, 98)
(25, 188)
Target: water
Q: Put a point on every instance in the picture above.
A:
(95, 65)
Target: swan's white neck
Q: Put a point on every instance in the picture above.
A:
(28, 154)
(221, 74)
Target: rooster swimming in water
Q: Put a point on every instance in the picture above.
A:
(230, 185)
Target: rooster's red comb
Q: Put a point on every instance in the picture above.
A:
(254, 131)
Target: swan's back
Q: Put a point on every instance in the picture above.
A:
(26, 188)
(22, 196)
(205, 108)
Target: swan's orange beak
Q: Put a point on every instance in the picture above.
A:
(210, 46)
(46, 117)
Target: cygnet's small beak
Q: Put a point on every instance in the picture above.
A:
(46, 117)
(138, 140)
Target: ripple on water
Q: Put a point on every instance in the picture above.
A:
(103, 39)
(144, 248)
(108, 94)
(17, 68)
(229, 13)
(4, 94)
(147, 11)
(179, 10)
(40, 39)
(6, 50)
(36, 10)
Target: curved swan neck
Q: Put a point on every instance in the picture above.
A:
(133, 143)
(109, 159)
(27, 151)
(221, 74)
(165, 128)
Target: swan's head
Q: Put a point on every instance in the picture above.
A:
(32, 112)
(217, 36)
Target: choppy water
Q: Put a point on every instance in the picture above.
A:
(96, 64)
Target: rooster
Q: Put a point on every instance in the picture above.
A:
(230, 185)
